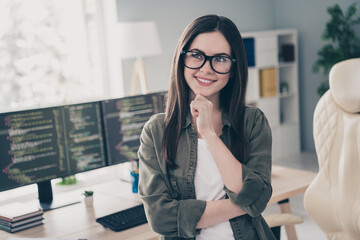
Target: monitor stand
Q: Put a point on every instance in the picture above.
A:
(46, 200)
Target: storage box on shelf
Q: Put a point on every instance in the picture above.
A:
(273, 85)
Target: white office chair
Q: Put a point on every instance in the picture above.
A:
(333, 198)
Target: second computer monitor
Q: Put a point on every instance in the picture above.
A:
(124, 119)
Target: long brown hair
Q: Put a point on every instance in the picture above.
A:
(232, 96)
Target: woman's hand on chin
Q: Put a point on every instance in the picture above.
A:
(202, 112)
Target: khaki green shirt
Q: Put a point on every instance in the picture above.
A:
(169, 196)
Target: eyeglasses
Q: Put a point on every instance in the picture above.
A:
(219, 63)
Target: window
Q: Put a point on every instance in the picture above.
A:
(50, 53)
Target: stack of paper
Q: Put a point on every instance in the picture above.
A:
(18, 216)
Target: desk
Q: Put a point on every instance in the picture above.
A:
(77, 221)
(286, 183)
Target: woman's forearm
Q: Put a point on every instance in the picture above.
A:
(219, 211)
(229, 167)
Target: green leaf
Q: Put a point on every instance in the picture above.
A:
(340, 40)
(88, 193)
(351, 12)
(70, 180)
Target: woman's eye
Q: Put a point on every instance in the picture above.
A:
(197, 55)
(220, 59)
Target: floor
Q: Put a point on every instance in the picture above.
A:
(307, 230)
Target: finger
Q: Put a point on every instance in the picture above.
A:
(198, 102)
(201, 103)
(193, 110)
(200, 97)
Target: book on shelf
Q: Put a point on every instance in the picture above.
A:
(268, 82)
(17, 211)
(21, 227)
(249, 45)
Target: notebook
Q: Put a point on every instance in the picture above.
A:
(17, 211)
(22, 227)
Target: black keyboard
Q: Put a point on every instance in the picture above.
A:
(124, 219)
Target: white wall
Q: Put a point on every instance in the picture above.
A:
(172, 17)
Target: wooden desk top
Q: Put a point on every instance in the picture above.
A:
(288, 182)
(77, 221)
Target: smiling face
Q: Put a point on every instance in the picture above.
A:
(205, 81)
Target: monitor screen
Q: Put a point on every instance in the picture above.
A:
(42, 144)
(124, 119)
(31, 147)
(84, 142)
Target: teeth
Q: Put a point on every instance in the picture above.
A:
(204, 81)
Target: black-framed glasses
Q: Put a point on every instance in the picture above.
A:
(219, 63)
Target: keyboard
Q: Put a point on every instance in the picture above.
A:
(124, 219)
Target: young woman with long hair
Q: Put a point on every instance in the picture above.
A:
(205, 163)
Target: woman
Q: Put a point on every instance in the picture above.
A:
(205, 163)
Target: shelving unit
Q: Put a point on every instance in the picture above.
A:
(277, 50)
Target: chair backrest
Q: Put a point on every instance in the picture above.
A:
(333, 199)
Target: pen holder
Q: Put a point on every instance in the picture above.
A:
(134, 181)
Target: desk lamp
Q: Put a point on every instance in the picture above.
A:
(138, 40)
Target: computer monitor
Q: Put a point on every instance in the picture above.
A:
(124, 119)
(84, 141)
(42, 144)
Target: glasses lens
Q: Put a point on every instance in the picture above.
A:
(193, 59)
(221, 64)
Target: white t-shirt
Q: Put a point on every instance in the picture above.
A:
(209, 186)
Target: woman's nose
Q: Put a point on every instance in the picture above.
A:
(207, 67)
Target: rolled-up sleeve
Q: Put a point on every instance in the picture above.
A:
(256, 172)
(166, 215)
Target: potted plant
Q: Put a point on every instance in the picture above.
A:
(89, 198)
(342, 41)
(69, 180)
